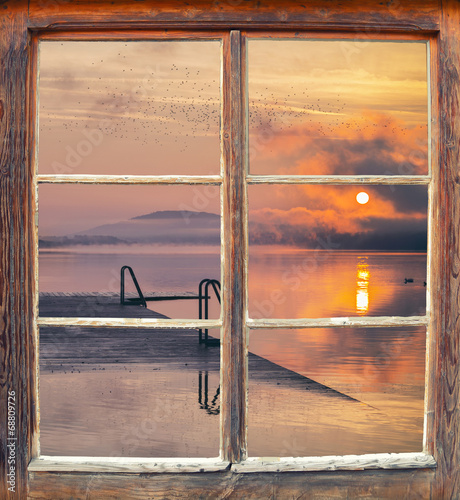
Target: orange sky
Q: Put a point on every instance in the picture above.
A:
(316, 107)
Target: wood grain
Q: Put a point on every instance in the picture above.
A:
(355, 35)
(447, 383)
(132, 322)
(15, 277)
(349, 462)
(353, 15)
(401, 485)
(31, 296)
(136, 33)
(234, 352)
(18, 342)
(129, 179)
(434, 254)
(339, 179)
(115, 465)
(359, 321)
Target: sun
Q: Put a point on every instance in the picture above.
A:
(362, 198)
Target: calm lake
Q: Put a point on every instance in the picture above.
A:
(172, 409)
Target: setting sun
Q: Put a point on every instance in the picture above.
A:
(362, 198)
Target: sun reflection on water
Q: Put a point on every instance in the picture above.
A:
(362, 286)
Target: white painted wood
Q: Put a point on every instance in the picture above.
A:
(338, 179)
(359, 321)
(128, 295)
(329, 463)
(434, 261)
(216, 179)
(129, 179)
(126, 464)
(133, 323)
(251, 465)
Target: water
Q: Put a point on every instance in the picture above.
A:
(321, 284)
(379, 372)
(172, 270)
(285, 283)
(140, 411)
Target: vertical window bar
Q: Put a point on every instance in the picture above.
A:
(233, 349)
(435, 249)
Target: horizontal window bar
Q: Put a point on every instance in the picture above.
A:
(346, 462)
(288, 464)
(130, 31)
(376, 321)
(153, 323)
(126, 464)
(129, 179)
(308, 36)
(337, 179)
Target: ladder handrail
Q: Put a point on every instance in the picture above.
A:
(203, 295)
(136, 284)
(207, 282)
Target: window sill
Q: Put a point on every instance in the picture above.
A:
(251, 465)
(336, 463)
(127, 465)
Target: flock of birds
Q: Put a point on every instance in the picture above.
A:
(174, 103)
(141, 104)
(284, 108)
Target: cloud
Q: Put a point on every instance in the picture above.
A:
(370, 144)
(373, 144)
(404, 237)
(304, 215)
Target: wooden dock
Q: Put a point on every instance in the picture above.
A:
(94, 305)
(89, 348)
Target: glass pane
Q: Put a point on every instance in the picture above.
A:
(128, 393)
(132, 107)
(336, 391)
(315, 251)
(168, 235)
(338, 107)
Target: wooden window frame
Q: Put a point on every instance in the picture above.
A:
(21, 22)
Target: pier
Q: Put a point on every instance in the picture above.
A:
(80, 348)
(166, 381)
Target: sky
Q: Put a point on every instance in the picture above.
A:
(338, 107)
(315, 107)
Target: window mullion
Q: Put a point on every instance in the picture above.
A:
(234, 360)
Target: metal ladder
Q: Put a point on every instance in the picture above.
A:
(203, 300)
(205, 284)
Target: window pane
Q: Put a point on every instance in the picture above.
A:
(130, 107)
(168, 235)
(336, 391)
(338, 107)
(128, 393)
(315, 251)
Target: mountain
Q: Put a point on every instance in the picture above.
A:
(163, 227)
(174, 214)
(203, 228)
(66, 241)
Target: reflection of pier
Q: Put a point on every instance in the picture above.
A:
(213, 408)
(84, 347)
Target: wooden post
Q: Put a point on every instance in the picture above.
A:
(234, 359)
(18, 345)
(16, 310)
(446, 400)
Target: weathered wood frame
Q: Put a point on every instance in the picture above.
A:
(20, 20)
